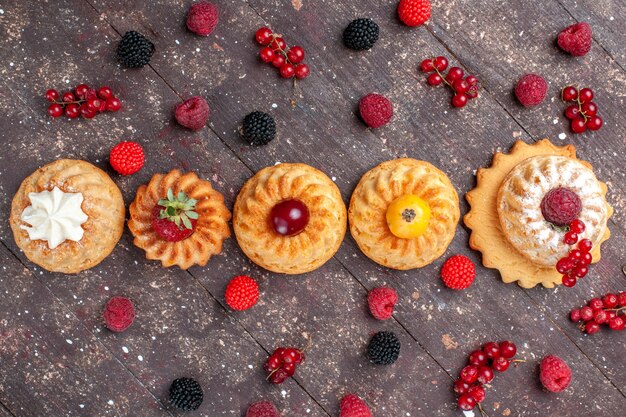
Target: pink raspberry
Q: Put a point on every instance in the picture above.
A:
(376, 110)
(560, 206)
(262, 409)
(381, 301)
(202, 18)
(193, 113)
(352, 406)
(531, 89)
(576, 39)
(554, 374)
(118, 314)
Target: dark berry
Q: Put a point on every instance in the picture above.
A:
(186, 394)
(134, 50)
(258, 128)
(384, 348)
(361, 34)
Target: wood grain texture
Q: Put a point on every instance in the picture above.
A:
(183, 325)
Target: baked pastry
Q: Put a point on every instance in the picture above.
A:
(67, 216)
(179, 219)
(403, 213)
(289, 218)
(513, 218)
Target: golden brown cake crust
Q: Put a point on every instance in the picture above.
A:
(102, 202)
(483, 219)
(383, 184)
(309, 249)
(211, 229)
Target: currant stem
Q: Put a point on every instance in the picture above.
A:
(63, 103)
(480, 408)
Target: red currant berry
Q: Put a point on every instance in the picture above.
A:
(67, 97)
(434, 79)
(302, 71)
(81, 90)
(574, 315)
(471, 80)
(264, 36)
(55, 110)
(492, 350)
(427, 65)
(266, 54)
(621, 299)
(103, 106)
(564, 265)
(94, 104)
(609, 301)
(577, 226)
(72, 110)
(86, 112)
(507, 349)
(466, 402)
(485, 374)
(113, 104)
(575, 255)
(570, 238)
(441, 63)
(477, 392)
(585, 245)
(585, 95)
(578, 125)
(609, 315)
(289, 217)
(589, 108)
(461, 387)
(600, 316)
(572, 111)
(52, 95)
(461, 86)
(592, 327)
(469, 374)
(586, 313)
(295, 54)
(568, 280)
(287, 71)
(617, 323)
(278, 43)
(472, 92)
(585, 260)
(105, 92)
(594, 123)
(580, 271)
(454, 74)
(478, 358)
(500, 364)
(459, 100)
(278, 60)
(569, 93)
(596, 304)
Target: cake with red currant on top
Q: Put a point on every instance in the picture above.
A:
(179, 219)
(289, 218)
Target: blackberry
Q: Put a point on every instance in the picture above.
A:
(361, 34)
(134, 50)
(258, 128)
(186, 394)
(384, 348)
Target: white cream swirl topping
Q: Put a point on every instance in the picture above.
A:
(54, 216)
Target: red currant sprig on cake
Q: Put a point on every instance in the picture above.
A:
(289, 61)
(610, 310)
(83, 101)
(282, 364)
(470, 385)
(464, 88)
(583, 114)
(576, 264)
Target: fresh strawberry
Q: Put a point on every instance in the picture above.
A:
(174, 218)
(414, 12)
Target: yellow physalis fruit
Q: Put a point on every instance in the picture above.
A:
(408, 216)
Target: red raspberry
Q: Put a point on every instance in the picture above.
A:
(118, 314)
(560, 206)
(381, 301)
(458, 272)
(242, 292)
(352, 406)
(127, 157)
(193, 113)
(531, 89)
(576, 39)
(202, 18)
(262, 409)
(414, 12)
(554, 373)
(376, 110)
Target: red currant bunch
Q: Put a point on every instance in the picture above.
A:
(480, 371)
(576, 264)
(465, 87)
(282, 364)
(83, 101)
(609, 310)
(583, 114)
(288, 61)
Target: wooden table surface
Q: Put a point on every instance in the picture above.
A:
(57, 359)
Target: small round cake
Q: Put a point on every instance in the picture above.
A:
(289, 218)
(403, 213)
(541, 196)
